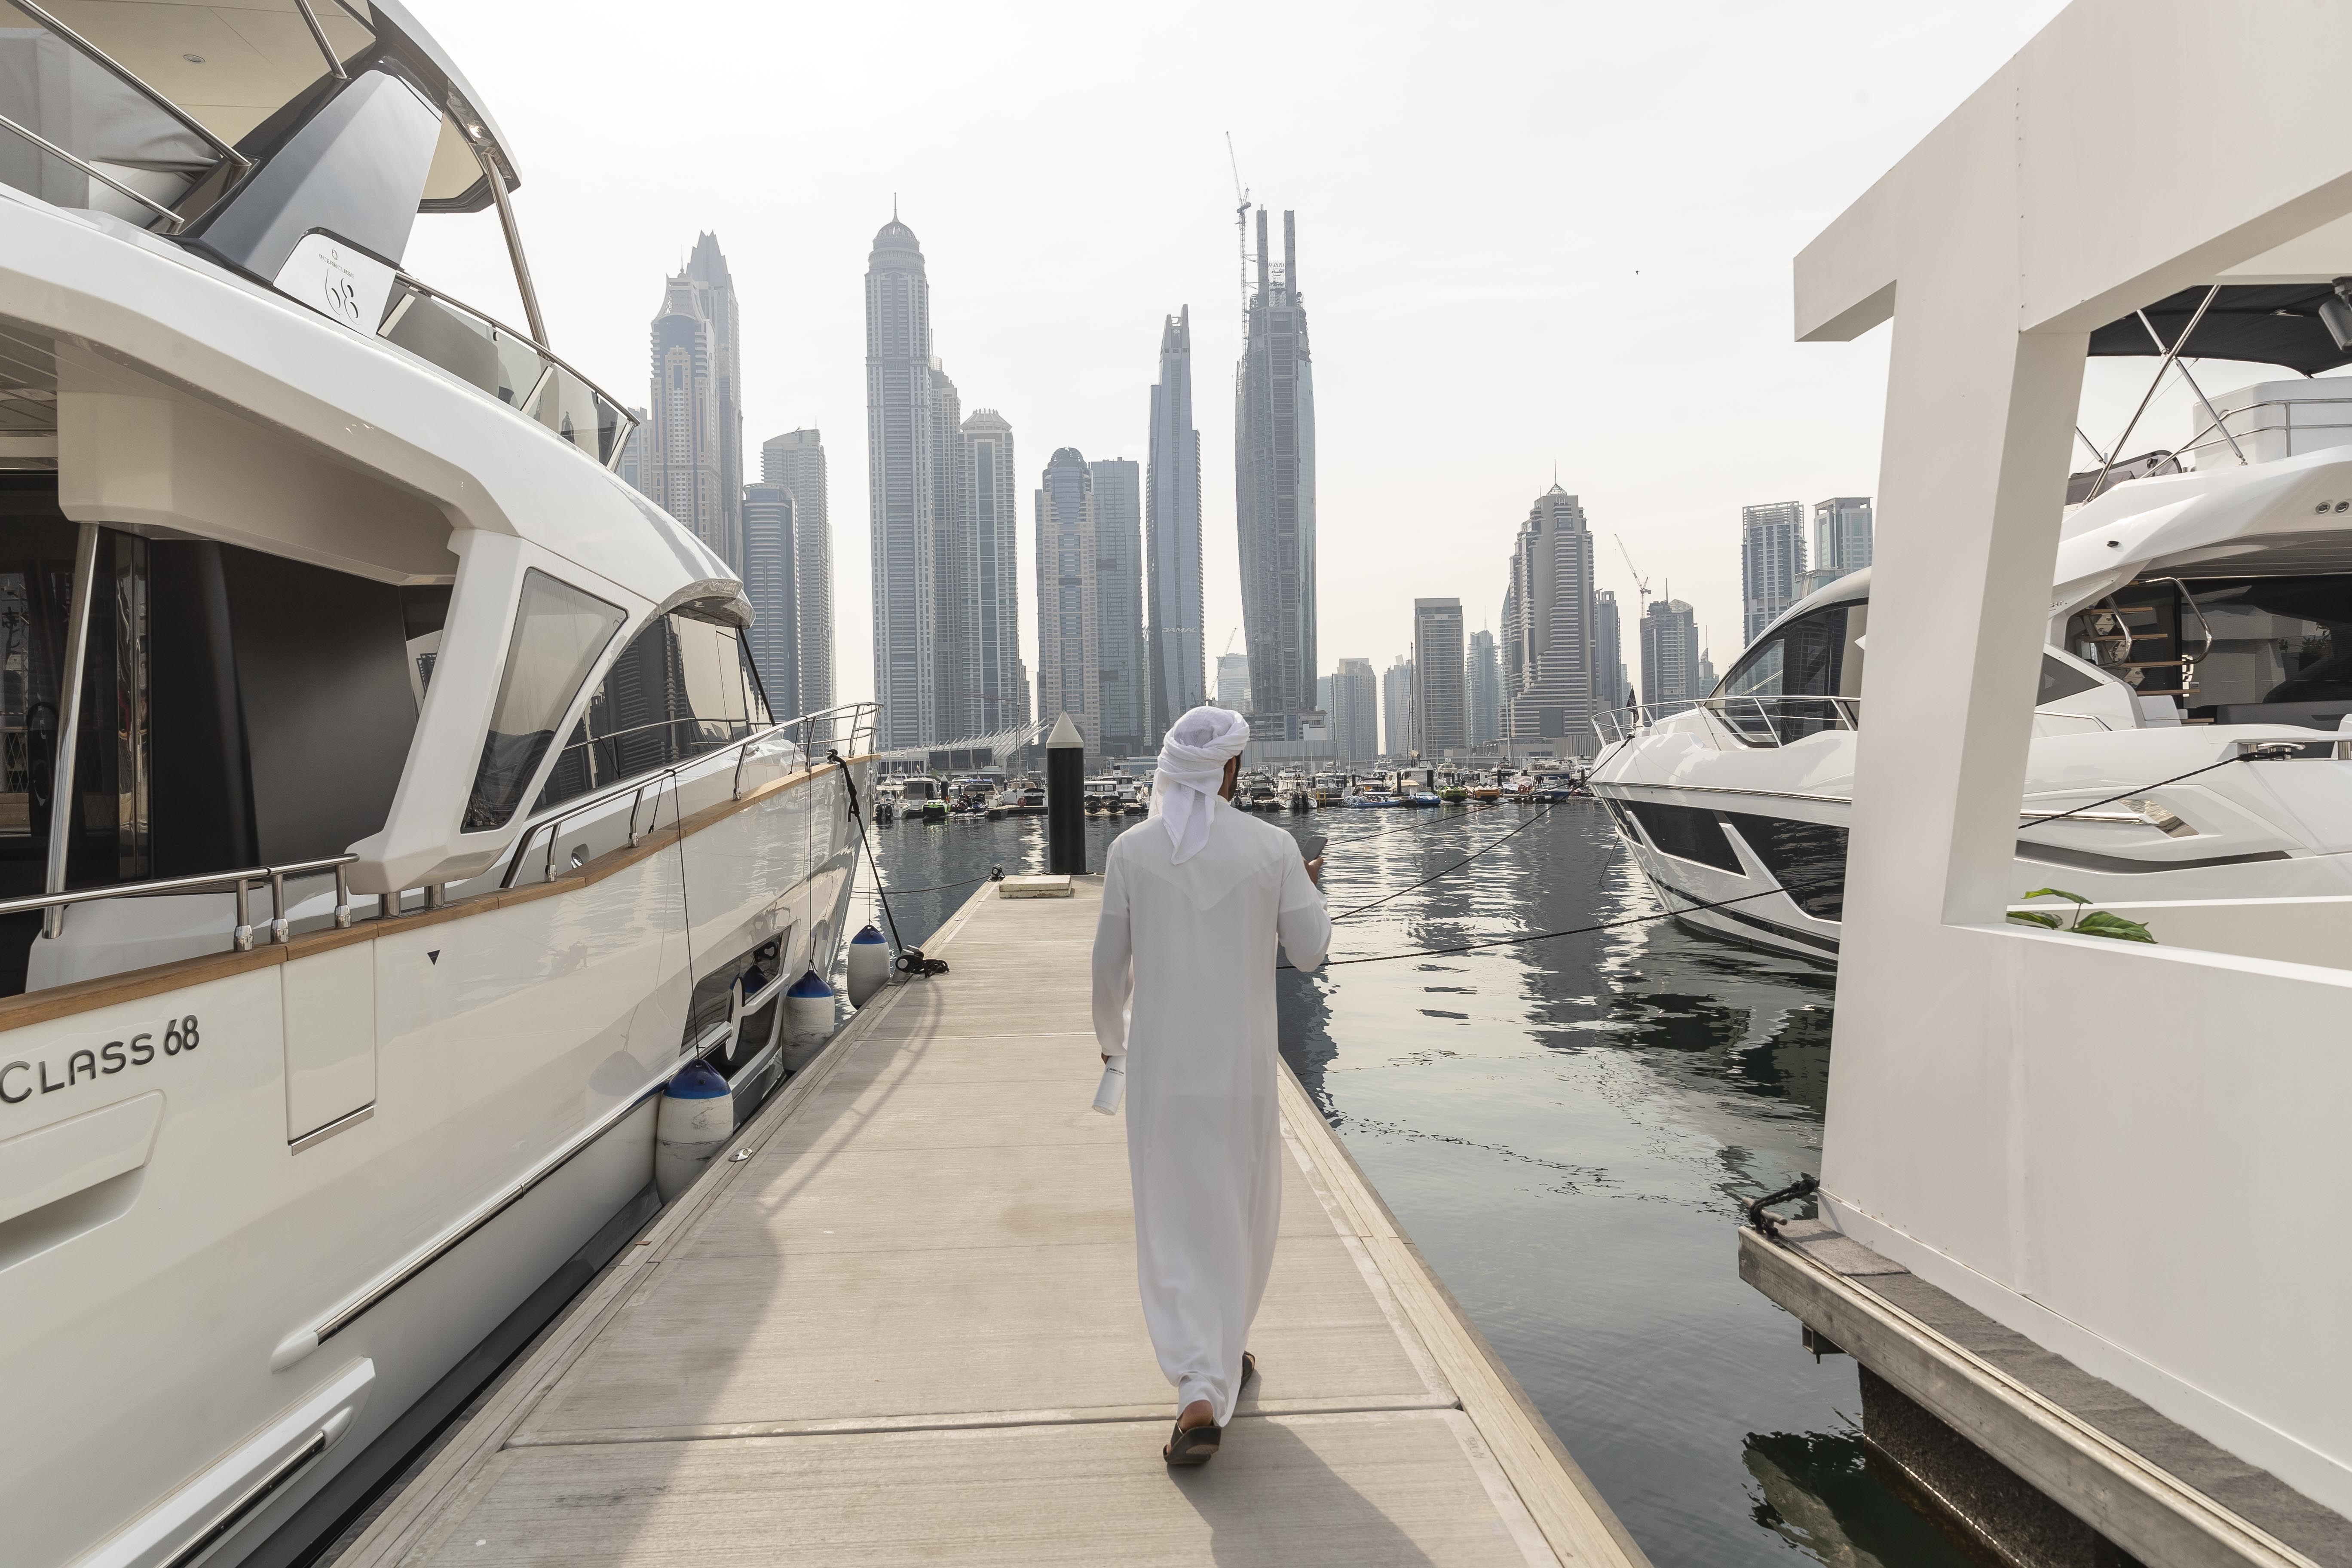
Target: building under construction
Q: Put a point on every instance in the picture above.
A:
(1274, 459)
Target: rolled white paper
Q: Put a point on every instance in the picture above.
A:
(1112, 1089)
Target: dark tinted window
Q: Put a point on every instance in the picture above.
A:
(1807, 858)
(1686, 833)
(680, 689)
(2060, 678)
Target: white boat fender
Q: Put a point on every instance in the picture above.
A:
(808, 1010)
(870, 965)
(696, 1119)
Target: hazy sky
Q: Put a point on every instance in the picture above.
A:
(1529, 236)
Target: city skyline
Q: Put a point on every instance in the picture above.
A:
(1164, 233)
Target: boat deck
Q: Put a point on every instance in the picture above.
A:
(898, 1323)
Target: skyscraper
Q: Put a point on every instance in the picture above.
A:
(795, 463)
(768, 570)
(1119, 610)
(1609, 686)
(1771, 562)
(1172, 536)
(681, 462)
(1670, 653)
(1274, 455)
(989, 538)
(1441, 708)
(900, 487)
(1548, 621)
(1234, 681)
(1485, 686)
(1355, 711)
(1069, 660)
(1396, 708)
(1842, 540)
(955, 664)
(714, 288)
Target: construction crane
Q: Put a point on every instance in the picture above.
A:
(1240, 223)
(1641, 583)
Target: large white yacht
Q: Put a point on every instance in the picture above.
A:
(387, 803)
(2193, 618)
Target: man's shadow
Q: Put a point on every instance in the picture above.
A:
(1268, 1498)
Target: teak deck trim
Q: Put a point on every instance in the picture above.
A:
(180, 973)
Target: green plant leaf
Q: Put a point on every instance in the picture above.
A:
(2053, 893)
(2034, 917)
(2099, 922)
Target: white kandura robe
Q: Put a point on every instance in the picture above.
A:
(1184, 987)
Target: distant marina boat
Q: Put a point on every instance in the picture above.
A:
(2194, 616)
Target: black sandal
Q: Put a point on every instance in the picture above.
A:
(1191, 1445)
(1198, 1444)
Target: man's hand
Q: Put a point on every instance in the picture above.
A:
(1315, 870)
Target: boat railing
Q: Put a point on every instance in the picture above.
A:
(853, 720)
(509, 364)
(2291, 425)
(1754, 721)
(848, 727)
(242, 883)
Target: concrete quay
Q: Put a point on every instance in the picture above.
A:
(898, 1323)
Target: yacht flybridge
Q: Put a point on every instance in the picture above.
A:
(2201, 611)
(387, 801)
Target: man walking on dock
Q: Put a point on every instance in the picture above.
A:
(1195, 902)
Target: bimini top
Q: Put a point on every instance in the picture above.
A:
(2268, 323)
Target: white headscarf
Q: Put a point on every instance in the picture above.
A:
(1192, 770)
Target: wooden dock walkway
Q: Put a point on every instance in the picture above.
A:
(900, 1325)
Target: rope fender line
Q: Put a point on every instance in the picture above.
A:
(909, 960)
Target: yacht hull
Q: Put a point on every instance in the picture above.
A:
(216, 1308)
(1749, 845)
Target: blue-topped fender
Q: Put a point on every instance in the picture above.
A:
(696, 1080)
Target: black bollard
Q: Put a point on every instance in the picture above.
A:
(1065, 801)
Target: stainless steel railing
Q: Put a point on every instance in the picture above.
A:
(859, 733)
(511, 365)
(242, 883)
(1754, 721)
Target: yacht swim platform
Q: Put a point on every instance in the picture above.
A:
(897, 1322)
(2103, 1463)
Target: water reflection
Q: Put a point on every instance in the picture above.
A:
(1566, 1127)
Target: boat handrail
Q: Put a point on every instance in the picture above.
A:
(88, 50)
(860, 716)
(533, 403)
(1765, 711)
(241, 881)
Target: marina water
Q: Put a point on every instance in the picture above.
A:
(1566, 1129)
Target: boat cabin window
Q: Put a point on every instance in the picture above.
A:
(560, 633)
(2281, 653)
(681, 687)
(237, 709)
(1814, 656)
